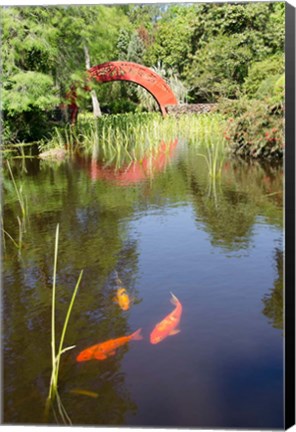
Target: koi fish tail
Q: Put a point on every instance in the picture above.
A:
(174, 300)
(137, 335)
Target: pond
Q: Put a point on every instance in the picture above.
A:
(156, 227)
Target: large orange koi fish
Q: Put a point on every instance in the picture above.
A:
(106, 349)
(169, 325)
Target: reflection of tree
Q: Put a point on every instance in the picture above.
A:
(93, 236)
(114, 400)
(229, 206)
(273, 302)
(228, 219)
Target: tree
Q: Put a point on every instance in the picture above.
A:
(211, 46)
(219, 68)
(45, 50)
(29, 54)
(83, 36)
(172, 39)
(234, 37)
(268, 71)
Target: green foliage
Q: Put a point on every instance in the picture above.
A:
(212, 45)
(235, 37)
(279, 89)
(42, 51)
(207, 51)
(29, 53)
(28, 90)
(219, 68)
(136, 49)
(264, 74)
(122, 43)
(172, 39)
(28, 40)
(117, 97)
(145, 15)
(255, 128)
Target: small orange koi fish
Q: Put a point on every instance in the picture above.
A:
(169, 325)
(122, 298)
(106, 349)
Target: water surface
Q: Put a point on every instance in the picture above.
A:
(164, 226)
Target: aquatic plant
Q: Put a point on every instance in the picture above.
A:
(56, 354)
(122, 138)
(20, 196)
(213, 145)
(21, 199)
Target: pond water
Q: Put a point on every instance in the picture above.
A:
(162, 226)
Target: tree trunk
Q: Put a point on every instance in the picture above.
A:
(95, 103)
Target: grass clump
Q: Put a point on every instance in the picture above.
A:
(123, 138)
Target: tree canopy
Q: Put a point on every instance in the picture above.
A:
(212, 50)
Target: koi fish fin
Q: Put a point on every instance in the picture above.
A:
(174, 299)
(100, 356)
(111, 353)
(174, 332)
(122, 291)
(115, 300)
(137, 335)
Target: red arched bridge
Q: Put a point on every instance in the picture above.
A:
(133, 72)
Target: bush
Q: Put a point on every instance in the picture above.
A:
(28, 126)
(255, 127)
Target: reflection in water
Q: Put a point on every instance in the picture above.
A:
(273, 301)
(229, 206)
(107, 381)
(176, 231)
(137, 170)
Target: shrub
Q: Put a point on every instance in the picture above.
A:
(254, 128)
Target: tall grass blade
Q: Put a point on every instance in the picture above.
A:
(60, 350)
(53, 394)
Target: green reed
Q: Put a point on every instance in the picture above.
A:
(213, 145)
(122, 138)
(58, 350)
(20, 196)
(22, 201)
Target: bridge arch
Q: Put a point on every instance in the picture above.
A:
(134, 72)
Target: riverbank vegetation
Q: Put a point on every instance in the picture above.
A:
(123, 138)
(229, 54)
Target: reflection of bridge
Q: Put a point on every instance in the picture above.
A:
(134, 172)
(133, 72)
